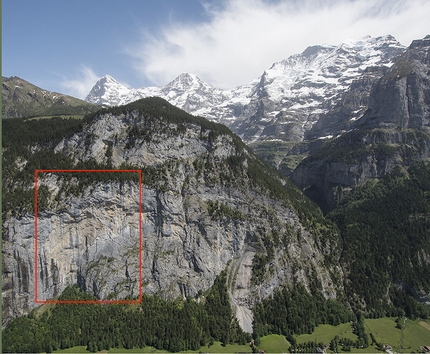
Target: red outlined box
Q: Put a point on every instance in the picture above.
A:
(36, 242)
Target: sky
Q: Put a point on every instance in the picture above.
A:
(67, 45)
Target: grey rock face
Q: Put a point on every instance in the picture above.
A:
(91, 240)
(352, 105)
(401, 99)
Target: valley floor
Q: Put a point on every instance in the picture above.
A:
(412, 336)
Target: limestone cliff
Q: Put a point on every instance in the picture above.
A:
(208, 203)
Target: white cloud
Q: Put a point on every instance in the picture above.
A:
(82, 83)
(244, 37)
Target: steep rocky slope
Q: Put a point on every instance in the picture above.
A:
(23, 99)
(393, 131)
(208, 204)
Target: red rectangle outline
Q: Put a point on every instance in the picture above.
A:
(36, 265)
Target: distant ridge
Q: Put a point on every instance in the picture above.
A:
(23, 99)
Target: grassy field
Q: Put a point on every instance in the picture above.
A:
(75, 116)
(218, 348)
(410, 338)
(135, 350)
(325, 333)
(425, 325)
(415, 335)
(274, 343)
(78, 349)
(384, 330)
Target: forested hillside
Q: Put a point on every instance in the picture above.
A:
(384, 227)
(170, 325)
(386, 243)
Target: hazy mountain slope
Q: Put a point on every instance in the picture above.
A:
(23, 99)
(394, 131)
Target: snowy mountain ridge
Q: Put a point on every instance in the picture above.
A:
(284, 103)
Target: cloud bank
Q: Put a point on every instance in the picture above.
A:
(241, 38)
(82, 83)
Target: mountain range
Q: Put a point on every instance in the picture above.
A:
(342, 234)
(283, 103)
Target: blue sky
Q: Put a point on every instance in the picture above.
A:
(66, 45)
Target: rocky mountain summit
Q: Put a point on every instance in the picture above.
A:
(284, 103)
(208, 204)
(293, 93)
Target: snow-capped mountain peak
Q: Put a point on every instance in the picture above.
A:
(185, 81)
(283, 103)
(109, 79)
(292, 95)
(187, 92)
(107, 91)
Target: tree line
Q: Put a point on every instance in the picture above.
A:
(183, 324)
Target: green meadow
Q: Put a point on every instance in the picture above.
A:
(325, 333)
(215, 348)
(410, 338)
(274, 343)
